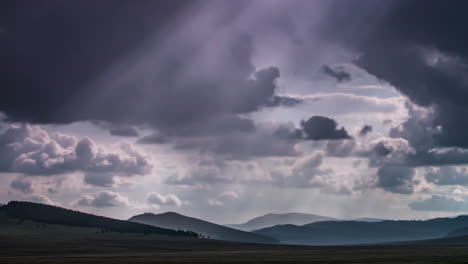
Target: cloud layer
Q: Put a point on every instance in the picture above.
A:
(32, 151)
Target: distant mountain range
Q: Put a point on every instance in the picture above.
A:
(356, 232)
(368, 219)
(26, 218)
(15, 213)
(458, 232)
(214, 231)
(270, 220)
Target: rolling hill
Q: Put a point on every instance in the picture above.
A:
(368, 219)
(180, 222)
(15, 213)
(355, 232)
(270, 220)
(463, 231)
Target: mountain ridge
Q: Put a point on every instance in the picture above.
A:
(208, 229)
(50, 214)
(358, 232)
(272, 219)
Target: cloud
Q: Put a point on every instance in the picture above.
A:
(438, 157)
(229, 195)
(154, 138)
(337, 73)
(99, 179)
(382, 151)
(288, 132)
(365, 130)
(412, 144)
(155, 198)
(309, 172)
(418, 128)
(124, 132)
(300, 172)
(305, 172)
(264, 141)
(215, 202)
(340, 148)
(145, 81)
(427, 66)
(277, 100)
(22, 185)
(209, 172)
(351, 105)
(103, 199)
(160, 74)
(447, 176)
(439, 203)
(202, 174)
(32, 151)
(321, 127)
(39, 198)
(396, 179)
(73, 63)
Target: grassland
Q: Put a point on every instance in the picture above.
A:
(44, 239)
(153, 249)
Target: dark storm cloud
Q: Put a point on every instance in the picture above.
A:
(420, 48)
(447, 176)
(340, 148)
(337, 73)
(284, 101)
(439, 203)
(288, 132)
(365, 130)
(263, 140)
(51, 49)
(66, 64)
(22, 185)
(381, 149)
(154, 138)
(99, 179)
(321, 128)
(124, 132)
(182, 69)
(396, 179)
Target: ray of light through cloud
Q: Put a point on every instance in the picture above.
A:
(231, 109)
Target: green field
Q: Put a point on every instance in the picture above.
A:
(41, 249)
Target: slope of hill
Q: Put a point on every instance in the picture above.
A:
(355, 232)
(463, 231)
(40, 213)
(177, 221)
(368, 219)
(270, 220)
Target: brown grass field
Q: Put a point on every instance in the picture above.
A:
(44, 249)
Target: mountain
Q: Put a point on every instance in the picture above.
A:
(15, 213)
(368, 219)
(356, 232)
(269, 220)
(177, 221)
(458, 232)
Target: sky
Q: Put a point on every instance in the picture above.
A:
(227, 110)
